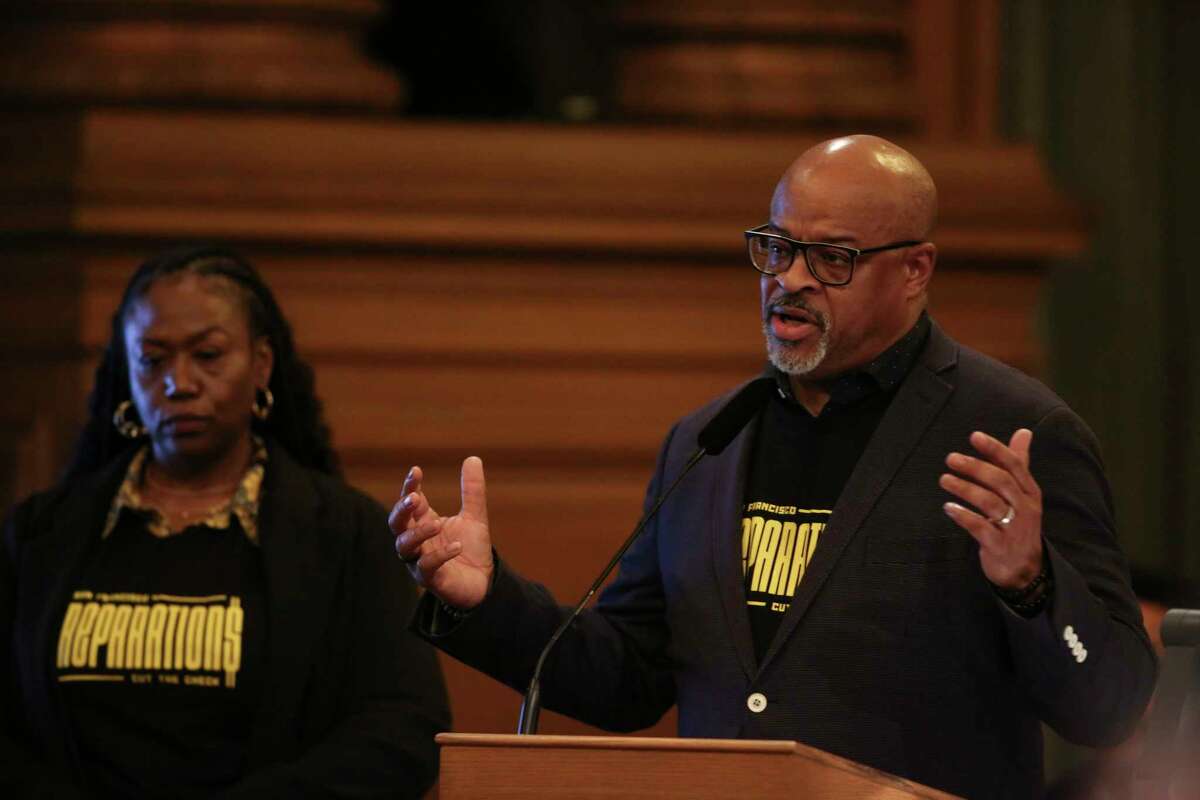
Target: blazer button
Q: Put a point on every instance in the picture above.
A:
(756, 702)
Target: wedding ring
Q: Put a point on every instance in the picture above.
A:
(1008, 517)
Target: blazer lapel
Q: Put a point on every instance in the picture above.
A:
(53, 560)
(726, 489)
(916, 404)
(299, 579)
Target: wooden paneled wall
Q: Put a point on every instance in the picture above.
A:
(547, 297)
(921, 67)
(254, 54)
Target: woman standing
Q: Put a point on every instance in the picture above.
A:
(202, 607)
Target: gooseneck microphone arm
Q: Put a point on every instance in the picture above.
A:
(532, 704)
(715, 436)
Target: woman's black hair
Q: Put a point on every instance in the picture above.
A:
(295, 422)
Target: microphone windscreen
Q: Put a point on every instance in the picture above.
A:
(1181, 627)
(729, 421)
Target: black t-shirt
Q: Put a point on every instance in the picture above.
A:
(160, 659)
(799, 467)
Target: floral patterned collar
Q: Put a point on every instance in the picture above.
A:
(244, 504)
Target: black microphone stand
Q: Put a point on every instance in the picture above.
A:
(714, 437)
(528, 722)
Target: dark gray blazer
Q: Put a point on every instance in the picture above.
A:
(895, 652)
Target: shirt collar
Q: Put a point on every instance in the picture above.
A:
(882, 374)
(244, 505)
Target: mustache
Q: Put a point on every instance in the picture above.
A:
(798, 302)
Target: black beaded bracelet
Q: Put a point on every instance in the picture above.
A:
(1015, 596)
(1032, 605)
(1029, 600)
(456, 614)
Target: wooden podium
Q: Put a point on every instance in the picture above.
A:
(504, 766)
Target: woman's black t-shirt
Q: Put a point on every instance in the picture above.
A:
(160, 659)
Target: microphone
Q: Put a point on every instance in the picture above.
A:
(1181, 627)
(712, 439)
(736, 414)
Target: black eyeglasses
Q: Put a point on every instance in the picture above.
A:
(831, 264)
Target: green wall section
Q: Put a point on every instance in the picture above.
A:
(1182, 284)
(1107, 90)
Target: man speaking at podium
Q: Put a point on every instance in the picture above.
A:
(907, 557)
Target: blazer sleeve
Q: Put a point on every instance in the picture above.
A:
(393, 696)
(24, 771)
(1086, 661)
(610, 668)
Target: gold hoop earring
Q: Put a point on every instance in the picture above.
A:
(263, 410)
(125, 426)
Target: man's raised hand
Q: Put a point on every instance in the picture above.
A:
(450, 556)
(1007, 503)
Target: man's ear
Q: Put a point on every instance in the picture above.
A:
(919, 268)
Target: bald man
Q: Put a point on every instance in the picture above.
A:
(907, 558)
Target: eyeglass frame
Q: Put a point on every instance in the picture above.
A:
(802, 248)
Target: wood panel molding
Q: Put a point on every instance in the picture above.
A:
(770, 19)
(485, 188)
(294, 54)
(955, 67)
(924, 67)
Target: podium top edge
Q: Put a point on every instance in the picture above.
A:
(782, 747)
(778, 747)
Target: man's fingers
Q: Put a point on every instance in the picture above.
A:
(1014, 461)
(408, 542)
(412, 481)
(1020, 444)
(980, 529)
(405, 507)
(432, 561)
(474, 490)
(993, 505)
(995, 450)
(398, 518)
(409, 509)
(986, 474)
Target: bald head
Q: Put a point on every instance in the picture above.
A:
(864, 177)
(867, 194)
